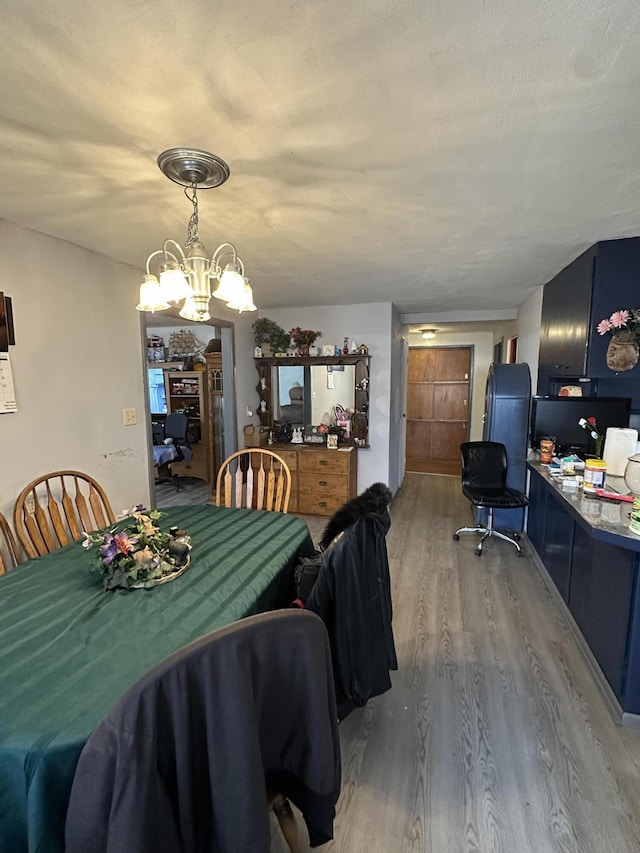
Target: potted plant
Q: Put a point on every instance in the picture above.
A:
(303, 339)
(623, 349)
(267, 334)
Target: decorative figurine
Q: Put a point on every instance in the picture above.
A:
(338, 351)
(363, 349)
(353, 348)
(263, 406)
(263, 383)
(345, 346)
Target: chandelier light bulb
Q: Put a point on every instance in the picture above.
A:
(151, 297)
(244, 299)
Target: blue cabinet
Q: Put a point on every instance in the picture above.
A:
(537, 512)
(600, 598)
(596, 573)
(558, 545)
(601, 280)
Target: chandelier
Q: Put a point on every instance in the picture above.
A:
(188, 275)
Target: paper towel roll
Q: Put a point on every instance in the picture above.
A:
(619, 444)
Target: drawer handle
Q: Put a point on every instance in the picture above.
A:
(322, 503)
(323, 462)
(322, 482)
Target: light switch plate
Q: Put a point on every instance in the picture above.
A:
(129, 417)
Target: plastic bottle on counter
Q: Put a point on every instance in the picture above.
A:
(595, 471)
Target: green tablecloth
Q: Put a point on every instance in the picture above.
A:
(69, 650)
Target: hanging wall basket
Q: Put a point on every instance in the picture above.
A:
(622, 352)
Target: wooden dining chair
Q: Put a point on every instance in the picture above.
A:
(55, 509)
(9, 554)
(256, 479)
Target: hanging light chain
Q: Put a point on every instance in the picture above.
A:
(192, 228)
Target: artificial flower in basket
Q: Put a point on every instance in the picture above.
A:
(136, 554)
(304, 338)
(624, 326)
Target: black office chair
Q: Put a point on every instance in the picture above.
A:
(176, 426)
(484, 483)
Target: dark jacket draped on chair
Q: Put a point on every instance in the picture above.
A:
(181, 764)
(352, 595)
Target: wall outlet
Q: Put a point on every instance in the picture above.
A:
(129, 417)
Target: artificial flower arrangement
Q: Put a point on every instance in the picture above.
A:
(623, 349)
(266, 331)
(304, 337)
(591, 425)
(135, 553)
(624, 320)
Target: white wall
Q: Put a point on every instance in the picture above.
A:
(482, 344)
(77, 362)
(369, 324)
(529, 316)
(398, 423)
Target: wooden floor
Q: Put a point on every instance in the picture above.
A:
(434, 466)
(495, 737)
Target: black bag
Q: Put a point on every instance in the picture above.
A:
(306, 574)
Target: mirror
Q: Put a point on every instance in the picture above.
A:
(307, 394)
(304, 391)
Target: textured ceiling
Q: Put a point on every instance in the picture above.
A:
(444, 156)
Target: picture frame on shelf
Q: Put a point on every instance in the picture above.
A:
(328, 349)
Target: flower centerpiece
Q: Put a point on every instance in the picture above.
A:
(624, 326)
(591, 425)
(268, 334)
(136, 554)
(303, 339)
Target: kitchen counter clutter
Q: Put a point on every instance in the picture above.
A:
(605, 518)
(593, 558)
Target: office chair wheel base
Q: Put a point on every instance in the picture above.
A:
(478, 552)
(455, 537)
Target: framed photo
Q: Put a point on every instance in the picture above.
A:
(328, 349)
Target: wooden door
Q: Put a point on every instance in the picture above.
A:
(438, 387)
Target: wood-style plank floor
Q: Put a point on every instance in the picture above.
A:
(495, 737)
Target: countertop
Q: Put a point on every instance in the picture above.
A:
(604, 519)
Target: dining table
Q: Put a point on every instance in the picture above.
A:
(69, 649)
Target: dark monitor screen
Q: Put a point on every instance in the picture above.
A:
(559, 416)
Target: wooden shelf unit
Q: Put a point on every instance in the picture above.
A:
(188, 389)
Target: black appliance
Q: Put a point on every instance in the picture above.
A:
(559, 416)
